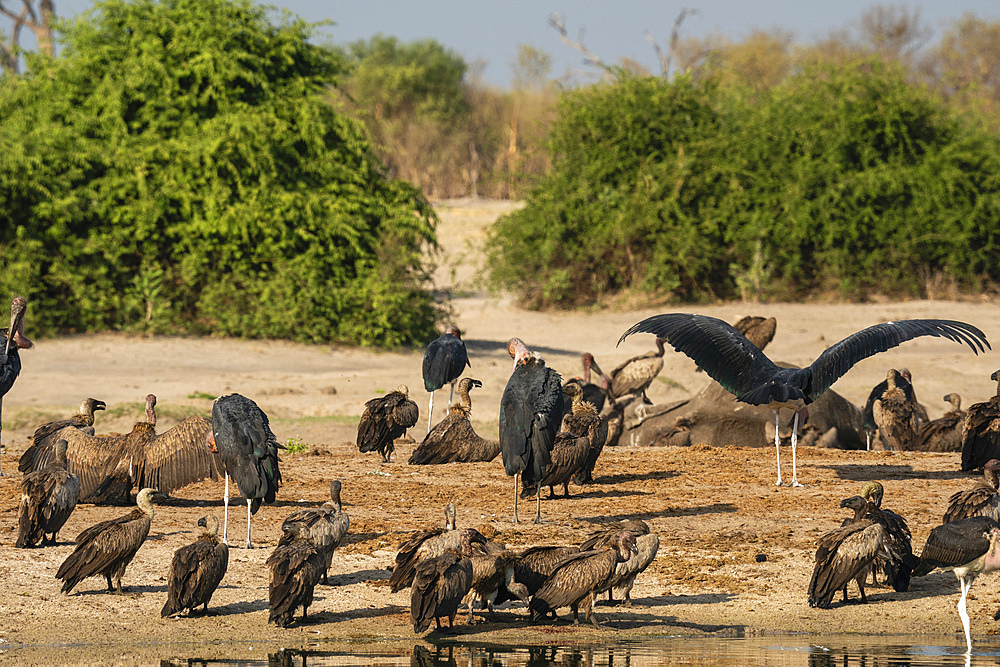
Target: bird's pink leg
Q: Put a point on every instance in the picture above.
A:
(795, 432)
(777, 446)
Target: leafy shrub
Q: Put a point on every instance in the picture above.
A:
(178, 168)
(845, 180)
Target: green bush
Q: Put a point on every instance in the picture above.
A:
(845, 180)
(180, 168)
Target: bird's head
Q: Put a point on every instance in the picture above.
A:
(995, 376)
(403, 389)
(16, 332)
(518, 351)
(873, 491)
(150, 409)
(855, 503)
(572, 388)
(466, 384)
(454, 331)
(89, 405)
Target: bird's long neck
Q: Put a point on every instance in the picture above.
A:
(991, 476)
(464, 400)
(145, 504)
(992, 559)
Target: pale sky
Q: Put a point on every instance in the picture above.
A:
(490, 31)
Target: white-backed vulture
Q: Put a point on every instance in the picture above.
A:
(945, 433)
(325, 525)
(39, 454)
(981, 432)
(453, 440)
(440, 583)
(296, 566)
(981, 500)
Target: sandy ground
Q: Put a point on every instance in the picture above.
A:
(715, 508)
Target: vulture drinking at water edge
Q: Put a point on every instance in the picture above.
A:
(48, 497)
(578, 577)
(196, 570)
(445, 359)
(242, 435)
(530, 417)
(14, 341)
(108, 547)
(746, 372)
(440, 583)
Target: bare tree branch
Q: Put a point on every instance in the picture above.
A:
(589, 56)
(666, 59)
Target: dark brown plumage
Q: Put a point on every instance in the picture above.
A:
(108, 547)
(584, 420)
(386, 418)
(572, 446)
(844, 554)
(453, 440)
(943, 434)
(899, 566)
(48, 497)
(87, 456)
(895, 414)
(296, 566)
(578, 577)
(196, 570)
(492, 572)
(440, 583)
(598, 538)
(534, 565)
(325, 525)
(981, 432)
(39, 454)
(635, 375)
(595, 394)
(981, 500)
(163, 461)
(422, 544)
(623, 579)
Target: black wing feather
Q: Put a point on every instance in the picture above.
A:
(444, 360)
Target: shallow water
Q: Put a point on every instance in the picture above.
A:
(841, 651)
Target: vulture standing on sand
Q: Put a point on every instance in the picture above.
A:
(967, 547)
(895, 414)
(440, 583)
(386, 418)
(48, 497)
(981, 500)
(445, 359)
(584, 420)
(635, 375)
(242, 435)
(847, 553)
(453, 440)
(943, 434)
(14, 341)
(578, 578)
(39, 454)
(325, 525)
(746, 372)
(164, 461)
(108, 547)
(570, 449)
(296, 566)
(196, 570)
(981, 433)
(530, 416)
(868, 413)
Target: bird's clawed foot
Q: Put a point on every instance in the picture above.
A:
(795, 482)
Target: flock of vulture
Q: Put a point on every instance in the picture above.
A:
(550, 433)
